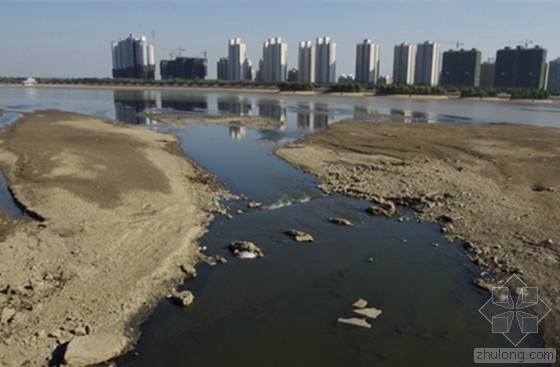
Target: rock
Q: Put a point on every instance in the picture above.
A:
(481, 283)
(341, 221)
(184, 298)
(93, 349)
(444, 219)
(372, 312)
(355, 321)
(385, 208)
(299, 236)
(189, 271)
(254, 205)
(541, 188)
(245, 250)
(7, 314)
(81, 331)
(361, 303)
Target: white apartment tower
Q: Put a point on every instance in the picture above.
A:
(367, 62)
(325, 60)
(428, 64)
(306, 62)
(275, 60)
(404, 62)
(133, 57)
(237, 54)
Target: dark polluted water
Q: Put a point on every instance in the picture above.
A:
(283, 309)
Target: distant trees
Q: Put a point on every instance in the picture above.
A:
(344, 88)
(387, 89)
(295, 86)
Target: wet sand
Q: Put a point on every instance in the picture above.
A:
(495, 186)
(114, 212)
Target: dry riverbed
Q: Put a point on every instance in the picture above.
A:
(113, 215)
(497, 187)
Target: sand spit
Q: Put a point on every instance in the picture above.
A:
(181, 119)
(114, 214)
(495, 186)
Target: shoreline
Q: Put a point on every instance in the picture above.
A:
(268, 91)
(119, 210)
(494, 187)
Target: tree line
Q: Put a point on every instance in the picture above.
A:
(386, 89)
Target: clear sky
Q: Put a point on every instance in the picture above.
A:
(72, 38)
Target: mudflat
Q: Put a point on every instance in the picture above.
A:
(497, 187)
(113, 215)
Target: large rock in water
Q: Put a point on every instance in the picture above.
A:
(372, 312)
(93, 349)
(355, 322)
(299, 236)
(245, 250)
(341, 222)
(184, 298)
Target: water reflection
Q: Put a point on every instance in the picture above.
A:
(235, 105)
(274, 109)
(185, 102)
(237, 132)
(313, 116)
(129, 104)
(412, 116)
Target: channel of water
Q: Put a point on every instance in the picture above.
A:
(282, 310)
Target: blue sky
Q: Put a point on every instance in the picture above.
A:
(72, 38)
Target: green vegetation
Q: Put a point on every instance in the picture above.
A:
(344, 88)
(409, 89)
(295, 86)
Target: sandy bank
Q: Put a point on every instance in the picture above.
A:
(121, 210)
(496, 186)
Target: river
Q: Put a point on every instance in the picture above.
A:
(283, 309)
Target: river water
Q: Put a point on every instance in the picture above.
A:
(282, 310)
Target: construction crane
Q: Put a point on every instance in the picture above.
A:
(525, 43)
(457, 43)
(177, 52)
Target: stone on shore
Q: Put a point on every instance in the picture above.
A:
(93, 349)
(355, 322)
(299, 236)
(245, 250)
(383, 208)
(184, 298)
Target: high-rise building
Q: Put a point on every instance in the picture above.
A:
(520, 67)
(306, 62)
(237, 54)
(461, 68)
(183, 68)
(487, 70)
(554, 75)
(275, 61)
(404, 63)
(223, 66)
(367, 62)
(428, 64)
(133, 57)
(325, 60)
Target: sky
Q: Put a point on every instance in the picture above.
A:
(72, 38)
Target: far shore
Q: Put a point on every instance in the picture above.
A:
(269, 91)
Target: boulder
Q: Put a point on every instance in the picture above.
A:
(184, 298)
(372, 312)
(93, 349)
(299, 236)
(254, 205)
(245, 250)
(355, 321)
(341, 222)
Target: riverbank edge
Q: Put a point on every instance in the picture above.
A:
(271, 91)
(31, 342)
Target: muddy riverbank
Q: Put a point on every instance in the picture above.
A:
(113, 215)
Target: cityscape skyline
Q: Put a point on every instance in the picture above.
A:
(69, 42)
